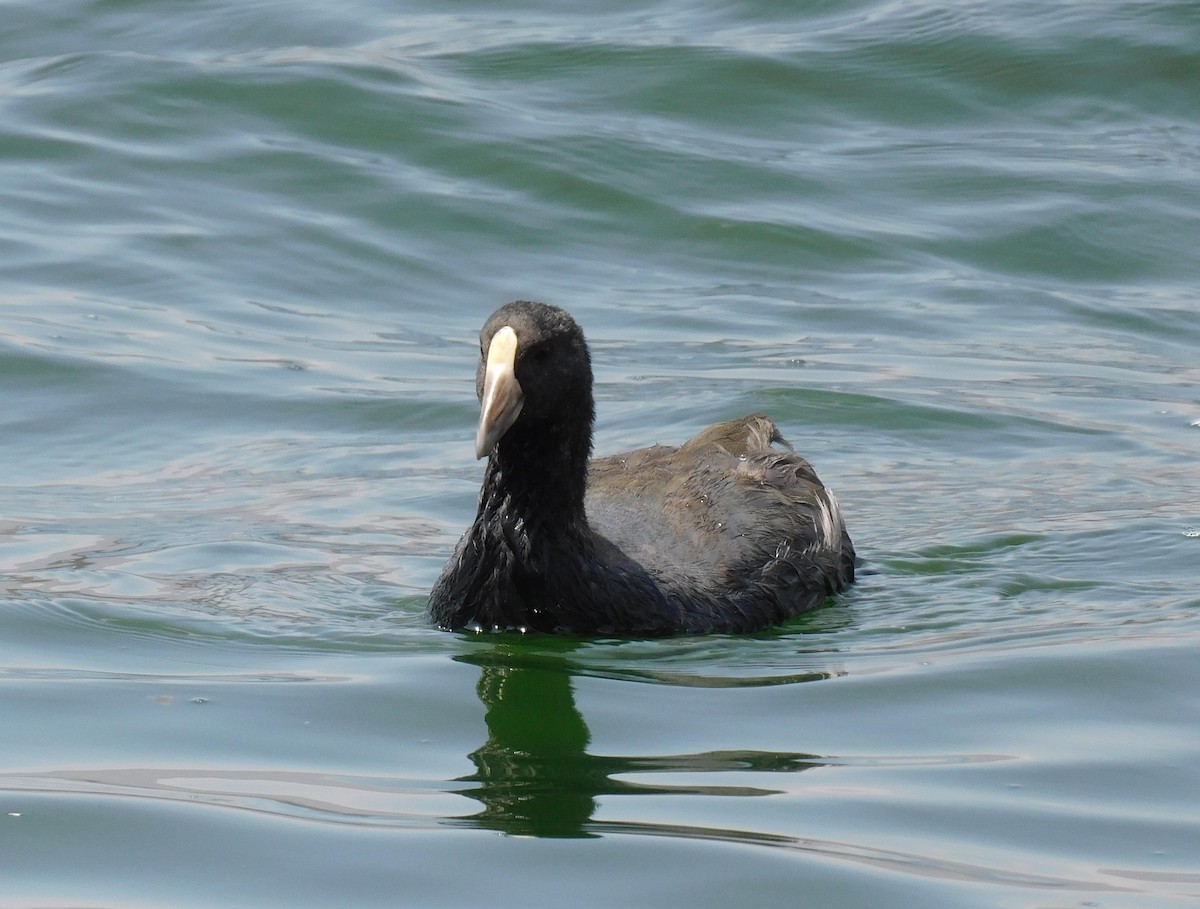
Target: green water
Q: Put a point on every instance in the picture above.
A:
(245, 250)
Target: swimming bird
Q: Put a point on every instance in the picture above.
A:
(729, 532)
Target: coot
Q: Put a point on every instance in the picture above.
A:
(725, 533)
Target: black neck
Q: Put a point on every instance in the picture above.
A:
(538, 475)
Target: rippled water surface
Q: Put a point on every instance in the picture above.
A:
(244, 253)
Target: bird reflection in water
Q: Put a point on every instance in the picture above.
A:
(534, 774)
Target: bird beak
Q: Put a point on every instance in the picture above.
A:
(502, 395)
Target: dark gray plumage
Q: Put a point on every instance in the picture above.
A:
(723, 533)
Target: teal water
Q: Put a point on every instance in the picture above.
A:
(244, 253)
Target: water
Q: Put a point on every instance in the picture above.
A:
(244, 252)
